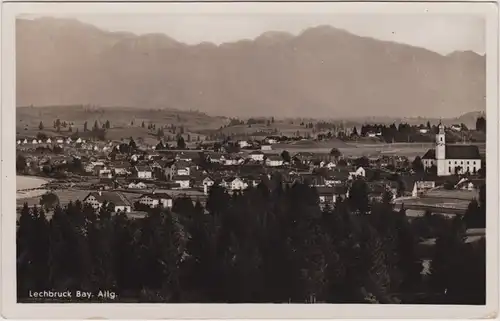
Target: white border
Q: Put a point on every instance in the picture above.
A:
(11, 309)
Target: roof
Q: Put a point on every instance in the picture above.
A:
(112, 197)
(157, 195)
(181, 178)
(143, 168)
(456, 152)
(275, 158)
(336, 190)
(257, 152)
(182, 163)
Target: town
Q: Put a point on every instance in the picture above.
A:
(131, 175)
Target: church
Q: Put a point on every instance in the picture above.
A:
(452, 159)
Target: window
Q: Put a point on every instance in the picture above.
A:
(467, 162)
(449, 169)
(441, 139)
(449, 162)
(455, 162)
(462, 162)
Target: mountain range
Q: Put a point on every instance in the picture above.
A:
(323, 72)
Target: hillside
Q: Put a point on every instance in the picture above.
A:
(125, 121)
(323, 72)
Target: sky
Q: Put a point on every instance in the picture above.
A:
(437, 32)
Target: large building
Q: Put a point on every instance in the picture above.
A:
(452, 159)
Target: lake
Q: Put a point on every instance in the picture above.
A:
(28, 182)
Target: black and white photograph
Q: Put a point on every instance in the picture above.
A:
(229, 157)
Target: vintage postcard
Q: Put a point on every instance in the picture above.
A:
(249, 160)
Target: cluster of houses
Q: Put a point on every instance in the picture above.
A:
(200, 170)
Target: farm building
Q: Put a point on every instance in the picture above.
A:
(156, 199)
(117, 200)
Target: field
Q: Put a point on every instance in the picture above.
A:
(410, 150)
(356, 149)
(67, 195)
(28, 119)
(281, 127)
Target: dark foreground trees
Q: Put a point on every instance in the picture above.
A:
(258, 246)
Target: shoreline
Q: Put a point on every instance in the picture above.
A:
(30, 186)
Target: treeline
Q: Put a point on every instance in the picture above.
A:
(261, 246)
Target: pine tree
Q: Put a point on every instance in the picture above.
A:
(40, 126)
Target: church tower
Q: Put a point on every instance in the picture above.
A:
(441, 151)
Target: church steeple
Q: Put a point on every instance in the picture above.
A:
(441, 150)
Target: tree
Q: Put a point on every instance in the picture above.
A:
(481, 124)
(107, 125)
(417, 165)
(180, 142)
(96, 126)
(354, 131)
(132, 144)
(285, 155)
(358, 196)
(20, 164)
(335, 153)
(142, 125)
(428, 125)
(160, 134)
(49, 200)
(40, 126)
(85, 127)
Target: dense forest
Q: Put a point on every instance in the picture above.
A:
(263, 245)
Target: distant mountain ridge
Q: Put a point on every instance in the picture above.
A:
(322, 72)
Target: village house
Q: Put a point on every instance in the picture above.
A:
(90, 167)
(243, 143)
(183, 181)
(207, 183)
(156, 199)
(469, 184)
(257, 156)
(360, 172)
(274, 161)
(118, 202)
(105, 173)
(139, 185)
(187, 156)
(143, 171)
(452, 159)
(303, 157)
(271, 140)
(265, 147)
(421, 187)
(121, 171)
(182, 168)
(330, 195)
(230, 160)
(234, 183)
